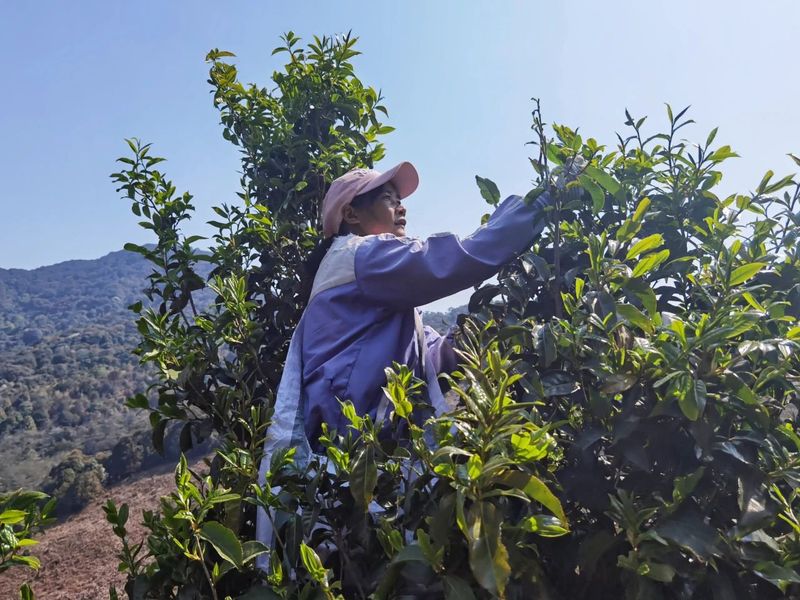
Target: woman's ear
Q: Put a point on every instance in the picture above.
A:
(350, 216)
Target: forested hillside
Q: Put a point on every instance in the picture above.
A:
(65, 362)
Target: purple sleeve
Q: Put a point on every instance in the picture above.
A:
(442, 357)
(407, 272)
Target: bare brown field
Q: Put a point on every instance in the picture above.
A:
(78, 555)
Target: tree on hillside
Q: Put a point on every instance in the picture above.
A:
(126, 458)
(74, 482)
(629, 385)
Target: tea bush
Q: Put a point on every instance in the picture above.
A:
(661, 327)
(628, 391)
(219, 364)
(22, 514)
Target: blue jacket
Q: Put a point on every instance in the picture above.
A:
(362, 315)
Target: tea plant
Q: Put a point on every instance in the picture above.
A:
(665, 321)
(22, 514)
(219, 365)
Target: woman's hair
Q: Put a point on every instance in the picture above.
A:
(314, 260)
(364, 199)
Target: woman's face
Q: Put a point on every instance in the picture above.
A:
(385, 214)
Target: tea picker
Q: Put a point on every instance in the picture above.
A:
(361, 315)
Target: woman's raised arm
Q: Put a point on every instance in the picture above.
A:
(407, 272)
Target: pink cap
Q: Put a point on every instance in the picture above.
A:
(359, 181)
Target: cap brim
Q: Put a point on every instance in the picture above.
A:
(404, 177)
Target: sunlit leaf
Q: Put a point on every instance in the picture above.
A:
(603, 178)
(651, 242)
(649, 262)
(741, 274)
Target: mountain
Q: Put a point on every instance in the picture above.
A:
(444, 321)
(66, 366)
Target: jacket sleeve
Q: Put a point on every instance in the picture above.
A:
(407, 272)
(440, 354)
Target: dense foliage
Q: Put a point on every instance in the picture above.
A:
(627, 396)
(219, 365)
(662, 328)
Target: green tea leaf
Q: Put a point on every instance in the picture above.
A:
(29, 561)
(711, 136)
(488, 556)
(745, 272)
(641, 209)
(12, 517)
(692, 397)
(603, 178)
(488, 189)
(722, 153)
(649, 262)
(536, 490)
(635, 317)
(765, 181)
(753, 302)
(631, 226)
(224, 541)
(474, 466)
(544, 525)
(595, 191)
(313, 564)
(579, 285)
(25, 592)
(651, 242)
(364, 477)
(253, 548)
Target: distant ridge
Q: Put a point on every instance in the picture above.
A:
(66, 366)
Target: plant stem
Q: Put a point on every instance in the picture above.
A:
(205, 568)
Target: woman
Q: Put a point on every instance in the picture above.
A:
(362, 316)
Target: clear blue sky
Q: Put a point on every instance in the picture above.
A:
(79, 77)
